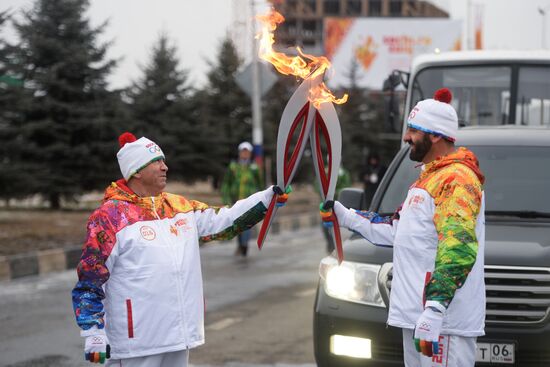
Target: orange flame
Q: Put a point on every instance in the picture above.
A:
(303, 66)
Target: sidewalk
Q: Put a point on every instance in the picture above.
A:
(55, 260)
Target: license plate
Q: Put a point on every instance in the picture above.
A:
(495, 353)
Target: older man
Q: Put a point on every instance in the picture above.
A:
(438, 235)
(139, 296)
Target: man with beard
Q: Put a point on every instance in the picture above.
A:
(438, 291)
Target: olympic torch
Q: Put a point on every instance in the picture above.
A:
(309, 114)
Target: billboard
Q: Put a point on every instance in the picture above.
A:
(380, 45)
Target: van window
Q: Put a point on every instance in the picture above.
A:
(517, 179)
(481, 94)
(533, 103)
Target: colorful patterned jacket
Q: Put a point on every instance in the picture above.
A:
(438, 237)
(140, 275)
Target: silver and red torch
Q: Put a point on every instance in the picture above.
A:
(310, 115)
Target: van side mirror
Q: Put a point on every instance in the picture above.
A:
(391, 100)
(391, 105)
(351, 198)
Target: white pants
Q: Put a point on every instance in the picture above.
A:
(171, 359)
(454, 351)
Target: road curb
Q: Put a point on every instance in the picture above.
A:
(50, 261)
(56, 260)
(22, 265)
(4, 268)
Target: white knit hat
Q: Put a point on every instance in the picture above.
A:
(435, 116)
(245, 145)
(135, 154)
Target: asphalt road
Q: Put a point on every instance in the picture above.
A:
(259, 309)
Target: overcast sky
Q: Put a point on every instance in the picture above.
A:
(198, 27)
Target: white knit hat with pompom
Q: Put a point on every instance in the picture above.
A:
(435, 116)
(135, 154)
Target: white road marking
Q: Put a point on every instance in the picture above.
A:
(306, 293)
(224, 323)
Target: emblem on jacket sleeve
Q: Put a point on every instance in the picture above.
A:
(147, 233)
(416, 201)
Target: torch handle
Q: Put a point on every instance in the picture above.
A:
(337, 237)
(271, 210)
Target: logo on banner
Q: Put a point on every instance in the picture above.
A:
(365, 53)
(147, 233)
(403, 44)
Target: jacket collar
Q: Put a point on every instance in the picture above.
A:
(119, 190)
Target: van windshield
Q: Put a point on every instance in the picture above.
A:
(483, 95)
(517, 179)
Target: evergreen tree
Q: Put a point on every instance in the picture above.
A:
(15, 178)
(161, 106)
(67, 129)
(274, 104)
(360, 124)
(5, 55)
(225, 111)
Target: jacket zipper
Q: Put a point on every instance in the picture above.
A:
(154, 208)
(178, 282)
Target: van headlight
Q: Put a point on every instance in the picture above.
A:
(351, 281)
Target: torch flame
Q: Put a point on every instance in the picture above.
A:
(303, 66)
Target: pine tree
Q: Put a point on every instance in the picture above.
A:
(274, 104)
(359, 123)
(6, 52)
(225, 111)
(67, 130)
(15, 178)
(161, 106)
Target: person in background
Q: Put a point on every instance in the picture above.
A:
(241, 179)
(139, 296)
(371, 175)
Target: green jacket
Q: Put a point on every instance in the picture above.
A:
(240, 181)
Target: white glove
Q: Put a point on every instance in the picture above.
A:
(96, 347)
(427, 330)
(342, 214)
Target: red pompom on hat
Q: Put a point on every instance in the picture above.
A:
(126, 138)
(443, 95)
